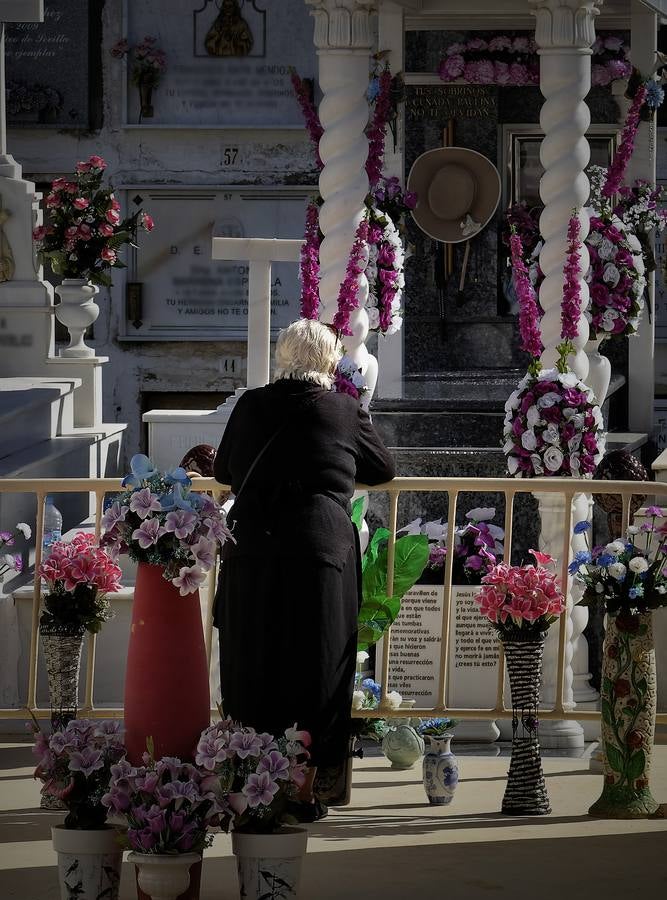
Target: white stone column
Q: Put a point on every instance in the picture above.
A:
(564, 32)
(344, 38)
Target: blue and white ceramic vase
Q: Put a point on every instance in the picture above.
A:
(402, 746)
(441, 773)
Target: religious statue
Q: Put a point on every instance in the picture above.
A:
(230, 34)
(7, 266)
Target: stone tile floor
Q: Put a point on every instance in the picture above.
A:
(389, 845)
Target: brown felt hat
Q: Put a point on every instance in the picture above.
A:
(458, 190)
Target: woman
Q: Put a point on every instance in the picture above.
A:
(290, 587)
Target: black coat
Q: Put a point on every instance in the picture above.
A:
(290, 589)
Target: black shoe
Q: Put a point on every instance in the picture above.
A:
(308, 812)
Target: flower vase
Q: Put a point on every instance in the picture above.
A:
(166, 682)
(167, 876)
(440, 770)
(599, 370)
(146, 99)
(89, 862)
(77, 310)
(269, 865)
(402, 746)
(62, 654)
(628, 705)
(526, 792)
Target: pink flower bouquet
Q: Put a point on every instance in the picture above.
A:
(75, 765)
(84, 230)
(521, 602)
(169, 805)
(159, 520)
(78, 575)
(552, 427)
(257, 776)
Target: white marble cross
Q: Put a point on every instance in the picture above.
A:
(13, 11)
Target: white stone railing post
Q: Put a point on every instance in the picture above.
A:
(344, 38)
(565, 33)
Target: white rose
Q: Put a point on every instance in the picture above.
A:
(513, 401)
(568, 413)
(615, 547)
(533, 416)
(536, 460)
(607, 249)
(362, 656)
(358, 698)
(611, 275)
(553, 459)
(618, 571)
(638, 564)
(546, 401)
(594, 238)
(574, 443)
(393, 700)
(396, 324)
(569, 380)
(548, 375)
(639, 264)
(551, 435)
(373, 316)
(512, 464)
(633, 243)
(529, 440)
(396, 305)
(508, 446)
(574, 464)
(8, 560)
(481, 513)
(25, 530)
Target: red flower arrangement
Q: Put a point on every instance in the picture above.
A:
(85, 229)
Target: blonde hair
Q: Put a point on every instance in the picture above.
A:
(307, 350)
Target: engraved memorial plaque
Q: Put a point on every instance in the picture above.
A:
(228, 61)
(186, 295)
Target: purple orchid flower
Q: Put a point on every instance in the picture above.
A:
(260, 789)
(114, 514)
(275, 764)
(181, 522)
(245, 743)
(149, 533)
(144, 502)
(86, 761)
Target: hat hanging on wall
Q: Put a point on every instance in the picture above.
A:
(458, 192)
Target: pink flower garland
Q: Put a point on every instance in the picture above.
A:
(620, 162)
(309, 266)
(348, 296)
(571, 305)
(529, 316)
(376, 132)
(313, 124)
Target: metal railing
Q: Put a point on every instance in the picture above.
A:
(568, 488)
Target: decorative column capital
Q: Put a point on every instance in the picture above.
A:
(342, 24)
(565, 24)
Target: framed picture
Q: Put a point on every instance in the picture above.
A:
(522, 169)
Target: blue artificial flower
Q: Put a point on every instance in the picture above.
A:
(581, 559)
(605, 559)
(178, 475)
(176, 499)
(582, 526)
(141, 468)
(373, 89)
(372, 687)
(637, 591)
(654, 94)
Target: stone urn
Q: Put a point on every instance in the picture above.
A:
(599, 369)
(163, 876)
(77, 311)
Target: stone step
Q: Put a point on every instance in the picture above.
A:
(33, 410)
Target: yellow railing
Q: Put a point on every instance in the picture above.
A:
(568, 488)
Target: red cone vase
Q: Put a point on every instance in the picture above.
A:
(166, 683)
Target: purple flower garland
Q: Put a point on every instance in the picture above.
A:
(309, 266)
(376, 132)
(348, 296)
(312, 120)
(622, 157)
(529, 316)
(571, 306)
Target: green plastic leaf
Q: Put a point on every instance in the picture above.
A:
(636, 765)
(357, 512)
(606, 712)
(614, 757)
(382, 534)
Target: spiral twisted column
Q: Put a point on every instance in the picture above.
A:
(344, 38)
(564, 33)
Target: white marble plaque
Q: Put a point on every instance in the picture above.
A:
(228, 61)
(186, 295)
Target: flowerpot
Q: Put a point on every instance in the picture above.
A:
(62, 654)
(167, 877)
(402, 746)
(440, 770)
(166, 682)
(526, 792)
(146, 98)
(599, 370)
(628, 705)
(269, 865)
(89, 863)
(77, 310)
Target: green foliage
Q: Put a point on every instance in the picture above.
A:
(358, 512)
(378, 610)
(636, 765)
(614, 757)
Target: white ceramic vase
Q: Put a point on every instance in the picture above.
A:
(163, 877)
(77, 311)
(269, 865)
(89, 862)
(440, 771)
(599, 370)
